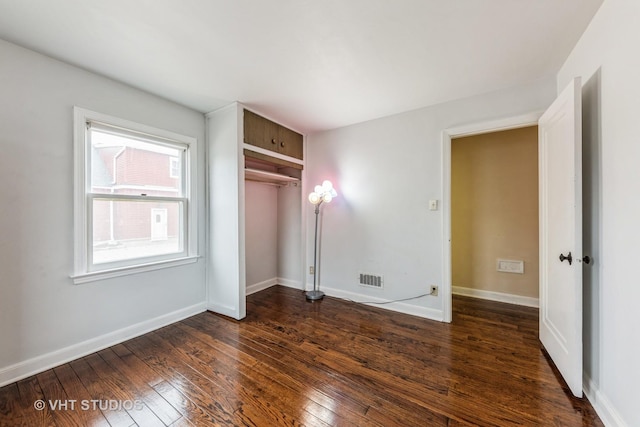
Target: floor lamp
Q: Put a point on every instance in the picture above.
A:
(321, 194)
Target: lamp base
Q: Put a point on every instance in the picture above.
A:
(314, 295)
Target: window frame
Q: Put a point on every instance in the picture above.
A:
(84, 268)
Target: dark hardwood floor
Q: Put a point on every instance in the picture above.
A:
(291, 362)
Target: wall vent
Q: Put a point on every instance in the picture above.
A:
(371, 280)
(510, 266)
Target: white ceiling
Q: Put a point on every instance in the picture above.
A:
(312, 65)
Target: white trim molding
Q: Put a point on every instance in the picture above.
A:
(295, 284)
(401, 307)
(602, 405)
(125, 271)
(496, 296)
(515, 122)
(84, 268)
(38, 364)
(260, 286)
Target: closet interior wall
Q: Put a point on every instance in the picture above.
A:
(272, 234)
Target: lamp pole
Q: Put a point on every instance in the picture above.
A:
(321, 193)
(315, 294)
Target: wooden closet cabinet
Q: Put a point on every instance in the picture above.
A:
(289, 143)
(271, 136)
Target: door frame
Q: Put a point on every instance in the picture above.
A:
(478, 128)
(164, 212)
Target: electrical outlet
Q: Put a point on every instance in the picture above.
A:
(311, 270)
(433, 290)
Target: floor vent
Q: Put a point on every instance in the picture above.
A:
(371, 280)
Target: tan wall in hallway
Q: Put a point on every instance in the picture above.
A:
(494, 202)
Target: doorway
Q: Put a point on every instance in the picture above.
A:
(516, 122)
(494, 216)
(159, 229)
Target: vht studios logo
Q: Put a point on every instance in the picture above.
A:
(87, 405)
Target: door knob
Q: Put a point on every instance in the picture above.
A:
(587, 259)
(568, 258)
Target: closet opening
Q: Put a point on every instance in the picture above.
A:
(273, 203)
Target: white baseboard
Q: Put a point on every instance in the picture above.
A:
(602, 405)
(425, 312)
(257, 287)
(225, 310)
(295, 284)
(38, 364)
(496, 296)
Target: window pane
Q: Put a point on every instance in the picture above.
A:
(126, 165)
(124, 230)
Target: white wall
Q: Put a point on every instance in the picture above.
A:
(43, 315)
(385, 172)
(290, 257)
(606, 57)
(226, 275)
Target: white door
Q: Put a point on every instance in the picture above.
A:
(560, 163)
(159, 224)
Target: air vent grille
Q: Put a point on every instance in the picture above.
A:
(510, 266)
(371, 280)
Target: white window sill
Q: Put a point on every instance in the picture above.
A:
(126, 271)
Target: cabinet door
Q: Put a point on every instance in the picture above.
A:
(260, 132)
(289, 143)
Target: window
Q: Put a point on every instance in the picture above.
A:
(131, 214)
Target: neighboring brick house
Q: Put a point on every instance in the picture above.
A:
(129, 170)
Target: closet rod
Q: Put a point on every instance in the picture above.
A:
(264, 182)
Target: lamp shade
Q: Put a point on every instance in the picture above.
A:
(314, 198)
(323, 193)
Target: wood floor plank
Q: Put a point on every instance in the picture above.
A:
(284, 391)
(10, 409)
(145, 372)
(331, 362)
(30, 393)
(123, 391)
(228, 398)
(298, 379)
(300, 364)
(75, 390)
(100, 391)
(64, 409)
(219, 407)
(381, 399)
(210, 411)
(283, 402)
(138, 386)
(191, 412)
(350, 362)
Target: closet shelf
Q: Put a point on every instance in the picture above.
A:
(264, 176)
